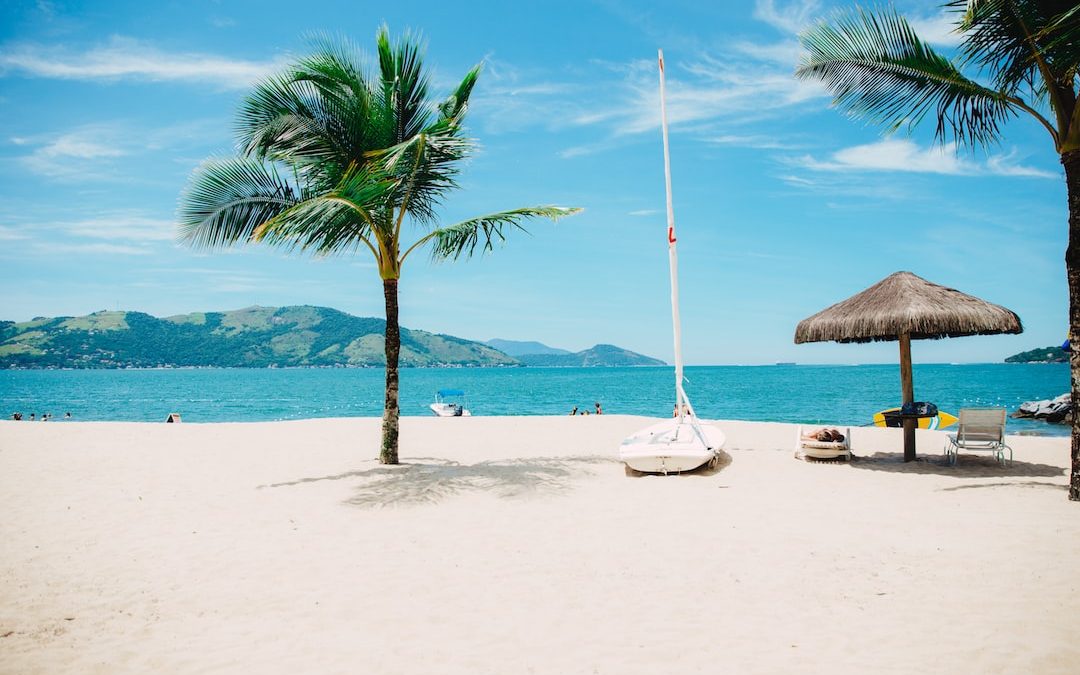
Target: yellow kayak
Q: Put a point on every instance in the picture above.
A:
(939, 421)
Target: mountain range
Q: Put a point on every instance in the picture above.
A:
(253, 337)
(520, 348)
(539, 354)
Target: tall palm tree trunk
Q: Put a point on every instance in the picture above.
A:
(391, 412)
(1071, 161)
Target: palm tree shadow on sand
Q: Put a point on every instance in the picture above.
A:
(430, 480)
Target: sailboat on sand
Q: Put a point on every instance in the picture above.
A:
(682, 443)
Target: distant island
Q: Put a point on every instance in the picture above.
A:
(539, 354)
(523, 348)
(1053, 354)
(254, 337)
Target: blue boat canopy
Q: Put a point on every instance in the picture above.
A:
(451, 392)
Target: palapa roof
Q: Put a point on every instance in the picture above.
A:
(903, 302)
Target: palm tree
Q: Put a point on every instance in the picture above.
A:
(1028, 54)
(334, 160)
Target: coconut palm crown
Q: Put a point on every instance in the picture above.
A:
(1026, 58)
(335, 159)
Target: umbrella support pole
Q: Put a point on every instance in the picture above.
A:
(909, 440)
(908, 390)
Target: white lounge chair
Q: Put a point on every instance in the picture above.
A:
(814, 449)
(979, 430)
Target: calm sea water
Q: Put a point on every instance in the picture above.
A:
(808, 394)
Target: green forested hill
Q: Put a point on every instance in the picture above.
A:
(251, 337)
(1050, 354)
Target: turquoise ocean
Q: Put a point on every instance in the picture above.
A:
(847, 395)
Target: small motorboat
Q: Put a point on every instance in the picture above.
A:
(450, 403)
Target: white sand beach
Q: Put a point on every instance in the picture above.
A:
(518, 545)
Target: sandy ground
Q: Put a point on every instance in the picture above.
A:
(518, 545)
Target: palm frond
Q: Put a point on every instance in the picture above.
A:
(322, 115)
(1019, 42)
(404, 83)
(350, 98)
(1063, 34)
(280, 119)
(336, 221)
(225, 201)
(456, 104)
(426, 166)
(879, 70)
(335, 66)
(462, 239)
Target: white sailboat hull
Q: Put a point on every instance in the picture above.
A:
(672, 446)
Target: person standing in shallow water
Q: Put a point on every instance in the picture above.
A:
(599, 410)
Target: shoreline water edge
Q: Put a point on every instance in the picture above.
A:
(834, 394)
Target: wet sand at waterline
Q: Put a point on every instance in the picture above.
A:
(517, 545)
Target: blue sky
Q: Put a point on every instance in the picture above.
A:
(783, 205)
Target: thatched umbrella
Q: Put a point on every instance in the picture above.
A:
(905, 307)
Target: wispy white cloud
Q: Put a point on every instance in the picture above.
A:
(1003, 165)
(799, 181)
(11, 234)
(124, 232)
(70, 153)
(851, 191)
(45, 7)
(587, 148)
(85, 152)
(785, 54)
(707, 90)
(127, 58)
(791, 17)
(238, 283)
(752, 80)
(90, 248)
(644, 212)
(758, 141)
(509, 98)
(907, 156)
(225, 280)
(123, 226)
(73, 145)
(937, 29)
(91, 151)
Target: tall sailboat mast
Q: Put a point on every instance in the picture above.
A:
(682, 403)
(683, 443)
